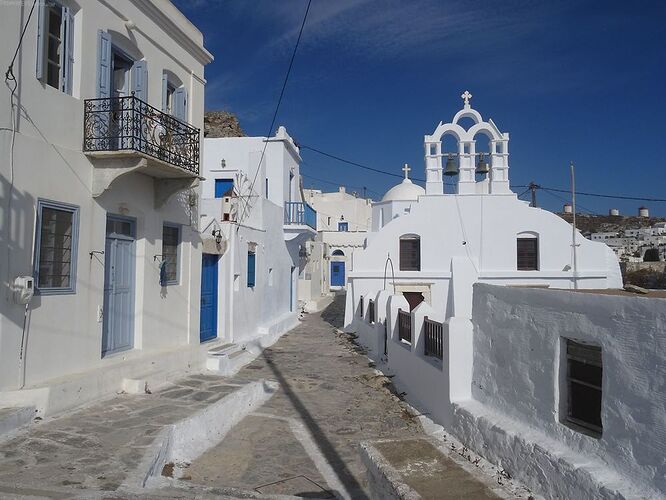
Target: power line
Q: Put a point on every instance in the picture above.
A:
(599, 195)
(307, 176)
(372, 169)
(277, 107)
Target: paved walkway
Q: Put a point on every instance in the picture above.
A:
(304, 441)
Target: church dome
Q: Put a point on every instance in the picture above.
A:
(405, 191)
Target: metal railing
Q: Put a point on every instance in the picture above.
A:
(297, 212)
(434, 338)
(360, 307)
(404, 326)
(129, 124)
(371, 311)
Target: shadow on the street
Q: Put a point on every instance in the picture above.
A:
(334, 314)
(323, 443)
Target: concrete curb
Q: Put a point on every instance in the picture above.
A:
(186, 440)
(383, 480)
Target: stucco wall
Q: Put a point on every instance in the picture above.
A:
(518, 372)
(63, 333)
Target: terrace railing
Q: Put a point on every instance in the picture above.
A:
(434, 333)
(297, 212)
(371, 311)
(405, 326)
(129, 124)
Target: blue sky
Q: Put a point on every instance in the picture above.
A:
(569, 80)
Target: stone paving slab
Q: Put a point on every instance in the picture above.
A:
(95, 448)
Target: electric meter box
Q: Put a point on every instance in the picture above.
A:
(24, 289)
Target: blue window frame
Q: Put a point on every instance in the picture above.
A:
(224, 187)
(343, 226)
(170, 267)
(55, 45)
(56, 241)
(251, 268)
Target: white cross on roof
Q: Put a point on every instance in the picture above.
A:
(466, 96)
(406, 170)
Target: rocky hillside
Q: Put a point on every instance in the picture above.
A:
(221, 124)
(588, 224)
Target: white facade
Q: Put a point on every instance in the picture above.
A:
(108, 50)
(255, 218)
(416, 316)
(343, 221)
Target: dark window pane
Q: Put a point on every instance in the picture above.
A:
(527, 254)
(590, 374)
(55, 248)
(585, 404)
(170, 241)
(410, 254)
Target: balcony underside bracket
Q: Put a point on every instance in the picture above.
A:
(166, 188)
(108, 170)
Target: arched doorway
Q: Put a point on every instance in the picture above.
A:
(337, 269)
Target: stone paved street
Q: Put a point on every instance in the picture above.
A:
(303, 441)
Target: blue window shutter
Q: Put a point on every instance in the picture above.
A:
(41, 26)
(103, 64)
(165, 83)
(140, 80)
(251, 261)
(222, 187)
(68, 73)
(180, 103)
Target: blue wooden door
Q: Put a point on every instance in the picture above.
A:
(337, 273)
(118, 312)
(208, 317)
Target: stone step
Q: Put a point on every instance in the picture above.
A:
(230, 362)
(13, 418)
(415, 468)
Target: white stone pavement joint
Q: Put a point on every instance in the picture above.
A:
(303, 435)
(186, 440)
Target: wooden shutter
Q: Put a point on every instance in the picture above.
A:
(410, 254)
(165, 86)
(528, 254)
(68, 63)
(103, 64)
(140, 80)
(251, 262)
(180, 103)
(41, 41)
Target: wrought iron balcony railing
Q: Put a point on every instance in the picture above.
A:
(297, 212)
(129, 124)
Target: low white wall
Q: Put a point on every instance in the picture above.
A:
(516, 384)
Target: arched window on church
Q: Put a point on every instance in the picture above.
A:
(338, 253)
(527, 251)
(410, 252)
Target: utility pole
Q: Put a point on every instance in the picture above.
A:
(573, 226)
(365, 194)
(533, 187)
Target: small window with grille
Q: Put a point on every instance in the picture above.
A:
(410, 253)
(584, 373)
(528, 254)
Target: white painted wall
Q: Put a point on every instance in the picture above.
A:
(245, 312)
(62, 336)
(518, 376)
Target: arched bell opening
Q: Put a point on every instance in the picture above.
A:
(450, 154)
(483, 145)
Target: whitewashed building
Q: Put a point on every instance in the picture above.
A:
(252, 204)
(343, 220)
(410, 301)
(100, 254)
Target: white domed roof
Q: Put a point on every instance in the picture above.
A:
(405, 191)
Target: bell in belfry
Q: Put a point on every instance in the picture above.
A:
(482, 166)
(451, 166)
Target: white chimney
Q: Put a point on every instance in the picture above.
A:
(643, 212)
(567, 209)
(342, 189)
(614, 212)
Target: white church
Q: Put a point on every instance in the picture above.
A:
(432, 246)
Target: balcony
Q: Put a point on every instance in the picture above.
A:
(299, 219)
(125, 134)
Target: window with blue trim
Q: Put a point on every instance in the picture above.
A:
(224, 187)
(170, 251)
(251, 268)
(343, 226)
(55, 45)
(56, 243)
